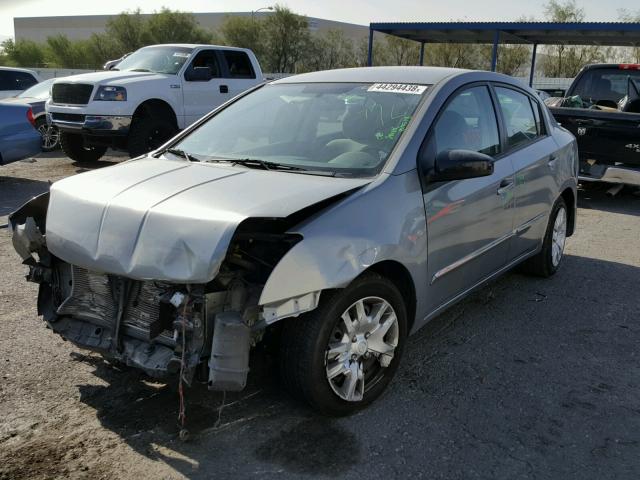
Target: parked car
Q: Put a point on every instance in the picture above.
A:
(153, 93)
(602, 109)
(15, 80)
(18, 137)
(112, 64)
(341, 209)
(36, 97)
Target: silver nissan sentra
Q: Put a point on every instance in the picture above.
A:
(333, 213)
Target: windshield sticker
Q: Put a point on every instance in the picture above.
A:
(397, 88)
(181, 54)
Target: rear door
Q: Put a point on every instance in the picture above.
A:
(469, 222)
(532, 154)
(200, 97)
(238, 71)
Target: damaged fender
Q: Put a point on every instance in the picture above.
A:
(343, 242)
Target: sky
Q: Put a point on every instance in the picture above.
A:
(353, 11)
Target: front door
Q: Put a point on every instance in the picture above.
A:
(200, 97)
(469, 222)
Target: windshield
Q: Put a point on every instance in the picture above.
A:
(336, 128)
(162, 59)
(40, 90)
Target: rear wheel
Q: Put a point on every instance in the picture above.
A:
(50, 135)
(547, 262)
(73, 146)
(340, 357)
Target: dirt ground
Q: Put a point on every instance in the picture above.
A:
(527, 378)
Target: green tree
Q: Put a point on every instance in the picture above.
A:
(167, 26)
(629, 54)
(24, 53)
(329, 50)
(286, 36)
(564, 60)
(128, 31)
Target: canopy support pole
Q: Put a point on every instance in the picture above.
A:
(533, 64)
(370, 54)
(494, 55)
(421, 54)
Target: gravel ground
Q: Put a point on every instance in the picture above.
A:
(527, 378)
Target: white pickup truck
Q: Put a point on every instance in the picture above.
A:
(147, 98)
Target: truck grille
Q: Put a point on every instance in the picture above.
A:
(71, 93)
(68, 117)
(94, 299)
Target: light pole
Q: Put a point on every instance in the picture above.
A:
(253, 12)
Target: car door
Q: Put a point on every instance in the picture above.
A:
(469, 222)
(532, 154)
(200, 97)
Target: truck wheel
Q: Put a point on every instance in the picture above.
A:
(341, 356)
(148, 132)
(50, 135)
(547, 262)
(73, 146)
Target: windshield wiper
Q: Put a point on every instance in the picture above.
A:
(139, 70)
(181, 153)
(267, 165)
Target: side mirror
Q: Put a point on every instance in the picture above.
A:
(459, 165)
(198, 74)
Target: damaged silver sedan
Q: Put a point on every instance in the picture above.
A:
(341, 210)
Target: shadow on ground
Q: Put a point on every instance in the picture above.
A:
(594, 197)
(525, 378)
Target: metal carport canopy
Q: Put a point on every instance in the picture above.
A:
(625, 34)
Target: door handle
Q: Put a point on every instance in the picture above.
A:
(505, 186)
(224, 89)
(552, 160)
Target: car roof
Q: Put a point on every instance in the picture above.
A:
(419, 75)
(14, 69)
(196, 45)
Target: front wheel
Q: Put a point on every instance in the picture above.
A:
(341, 356)
(547, 261)
(148, 133)
(73, 146)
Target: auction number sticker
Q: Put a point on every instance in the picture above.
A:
(181, 54)
(398, 88)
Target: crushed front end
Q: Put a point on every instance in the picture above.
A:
(159, 327)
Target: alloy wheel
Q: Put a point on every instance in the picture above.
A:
(559, 236)
(361, 346)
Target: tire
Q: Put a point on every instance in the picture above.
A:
(72, 145)
(50, 135)
(548, 260)
(148, 132)
(306, 361)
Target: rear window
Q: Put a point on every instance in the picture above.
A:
(604, 85)
(239, 64)
(10, 80)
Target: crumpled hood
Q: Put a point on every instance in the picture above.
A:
(170, 220)
(113, 77)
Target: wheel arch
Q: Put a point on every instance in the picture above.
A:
(402, 279)
(156, 106)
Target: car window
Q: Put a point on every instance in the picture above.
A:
(239, 64)
(10, 80)
(207, 58)
(40, 90)
(604, 85)
(468, 122)
(538, 117)
(519, 119)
